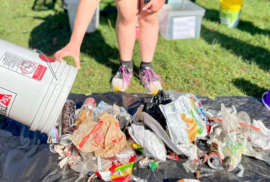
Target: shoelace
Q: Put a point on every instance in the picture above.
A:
(126, 75)
(148, 76)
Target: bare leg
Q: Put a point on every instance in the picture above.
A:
(148, 40)
(148, 33)
(126, 27)
(126, 35)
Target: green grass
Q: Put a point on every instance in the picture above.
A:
(223, 62)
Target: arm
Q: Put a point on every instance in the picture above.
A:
(84, 15)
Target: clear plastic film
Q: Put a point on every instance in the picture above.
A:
(125, 155)
(190, 166)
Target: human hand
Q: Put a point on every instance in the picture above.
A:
(69, 50)
(153, 6)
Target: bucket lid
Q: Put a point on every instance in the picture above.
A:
(233, 5)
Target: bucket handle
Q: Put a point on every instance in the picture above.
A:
(48, 62)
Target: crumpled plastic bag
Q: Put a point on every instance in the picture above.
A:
(183, 121)
(216, 136)
(151, 143)
(230, 137)
(263, 155)
(235, 141)
(234, 148)
(190, 150)
(86, 164)
(260, 138)
(151, 106)
(104, 138)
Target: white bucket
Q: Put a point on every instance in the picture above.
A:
(71, 6)
(33, 88)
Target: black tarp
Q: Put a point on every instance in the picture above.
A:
(25, 156)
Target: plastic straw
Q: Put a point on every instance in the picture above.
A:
(249, 126)
(243, 124)
(215, 119)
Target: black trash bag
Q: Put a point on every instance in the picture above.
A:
(151, 106)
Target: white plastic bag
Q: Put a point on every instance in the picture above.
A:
(149, 141)
(190, 150)
(260, 138)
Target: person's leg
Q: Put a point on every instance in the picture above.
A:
(125, 27)
(148, 34)
(126, 36)
(148, 37)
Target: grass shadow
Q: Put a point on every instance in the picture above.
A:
(245, 26)
(249, 88)
(44, 6)
(212, 15)
(249, 53)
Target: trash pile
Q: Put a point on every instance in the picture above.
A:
(105, 141)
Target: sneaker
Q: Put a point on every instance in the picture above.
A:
(151, 81)
(121, 80)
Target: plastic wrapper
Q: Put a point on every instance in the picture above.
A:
(137, 179)
(87, 163)
(183, 122)
(190, 150)
(197, 105)
(190, 166)
(122, 173)
(260, 138)
(125, 155)
(262, 155)
(191, 127)
(234, 148)
(118, 172)
(103, 164)
(151, 106)
(144, 162)
(104, 107)
(173, 156)
(150, 142)
(104, 138)
(240, 174)
(235, 141)
(153, 165)
(106, 175)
